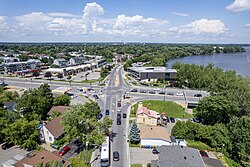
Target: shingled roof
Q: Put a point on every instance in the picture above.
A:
(61, 109)
(54, 127)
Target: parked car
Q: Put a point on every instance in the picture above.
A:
(6, 145)
(155, 151)
(134, 90)
(203, 153)
(152, 92)
(167, 119)
(162, 93)
(198, 95)
(124, 115)
(107, 112)
(116, 156)
(170, 93)
(143, 91)
(63, 150)
(172, 119)
(179, 94)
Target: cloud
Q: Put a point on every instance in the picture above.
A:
(33, 19)
(92, 10)
(239, 5)
(56, 14)
(202, 26)
(247, 25)
(3, 24)
(180, 14)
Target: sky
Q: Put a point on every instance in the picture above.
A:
(167, 21)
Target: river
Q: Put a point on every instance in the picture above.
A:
(240, 62)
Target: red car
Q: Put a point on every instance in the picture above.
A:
(63, 150)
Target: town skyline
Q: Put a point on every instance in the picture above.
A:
(125, 21)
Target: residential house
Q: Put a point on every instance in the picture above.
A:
(76, 61)
(152, 136)
(41, 157)
(52, 130)
(61, 109)
(146, 116)
(60, 62)
(178, 156)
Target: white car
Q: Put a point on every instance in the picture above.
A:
(179, 94)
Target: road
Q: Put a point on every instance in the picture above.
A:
(113, 91)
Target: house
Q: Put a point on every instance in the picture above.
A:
(76, 61)
(13, 160)
(61, 109)
(152, 136)
(60, 62)
(52, 130)
(178, 156)
(11, 106)
(146, 116)
(41, 157)
(181, 142)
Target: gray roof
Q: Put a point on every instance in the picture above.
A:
(152, 69)
(210, 162)
(178, 156)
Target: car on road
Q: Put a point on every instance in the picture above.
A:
(143, 91)
(95, 96)
(152, 92)
(198, 95)
(179, 94)
(172, 120)
(124, 115)
(63, 150)
(119, 104)
(203, 153)
(162, 93)
(170, 93)
(116, 156)
(6, 145)
(133, 90)
(119, 122)
(107, 112)
(118, 116)
(99, 116)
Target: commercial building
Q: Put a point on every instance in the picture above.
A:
(152, 73)
(24, 65)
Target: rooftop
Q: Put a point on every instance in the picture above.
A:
(176, 156)
(152, 69)
(144, 110)
(38, 157)
(54, 127)
(210, 162)
(61, 109)
(154, 132)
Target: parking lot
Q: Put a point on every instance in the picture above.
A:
(89, 75)
(5, 155)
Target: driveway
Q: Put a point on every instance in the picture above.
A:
(141, 155)
(5, 155)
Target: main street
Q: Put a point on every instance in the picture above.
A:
(113, 91)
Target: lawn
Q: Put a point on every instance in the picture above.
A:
(198, 145)
(136, 165)
(170, 108)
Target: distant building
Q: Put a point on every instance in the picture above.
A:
(178, 156)
(76, 61)
(60, 62)
(154, 136)
(152, 73)
(11, 106)
(146, 116)
(18, 66)
(41, 157)
(8, 59)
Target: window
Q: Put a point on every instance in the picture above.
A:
(50, 138)
(143, 120)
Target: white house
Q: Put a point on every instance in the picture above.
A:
(152, 136)
(60, 62)
(52, 130)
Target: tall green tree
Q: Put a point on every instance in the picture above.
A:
(62, 100)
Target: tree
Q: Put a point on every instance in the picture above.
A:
(81, 122)
(60, 75)
(36, 74)
(216, 109)
(134, 134)
(48, 74)
(23, 133)
(62, 100)
(35, 103)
